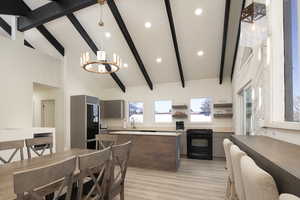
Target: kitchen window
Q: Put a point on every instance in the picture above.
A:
(136, 112)
(291, 59)
(201, 110)
(163, 111)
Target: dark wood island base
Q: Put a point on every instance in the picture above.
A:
(157, 150)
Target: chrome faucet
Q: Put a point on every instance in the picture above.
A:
(133, 123)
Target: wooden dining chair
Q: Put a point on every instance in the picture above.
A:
(105, 140)
(116, 182)
(39, 146)
(35, 184)
(16, 146)
(94, 167)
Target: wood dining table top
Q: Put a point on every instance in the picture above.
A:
(7, 170)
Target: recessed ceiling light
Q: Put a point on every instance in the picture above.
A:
(198, 11)
(158, 60)
(148, 25)
(125, 65)
(200, 53)
(107, 34)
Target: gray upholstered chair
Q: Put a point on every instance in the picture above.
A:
(236, 155)
(230, 191)
(288, 197)
(259, 185)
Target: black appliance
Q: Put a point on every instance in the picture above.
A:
(180, 125)
(200, 144)
(92, 124)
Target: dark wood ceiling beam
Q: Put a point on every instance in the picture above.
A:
(237, 42)
(115, 11)
(55, 43)
(174, 37)
(92, 45)
(26, 43)
(44, 31)
(12, 7)
(51, 11)
(224, 42)
(7, 28)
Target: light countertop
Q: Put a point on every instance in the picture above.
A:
(170, 129)
(141, 133)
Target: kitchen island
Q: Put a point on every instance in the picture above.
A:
(152, 150)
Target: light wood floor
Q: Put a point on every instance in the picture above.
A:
(195, 180)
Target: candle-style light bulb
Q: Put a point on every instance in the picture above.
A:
(114, 58)
(83, 58)
(120, 64)
(118, 60)
(87, 54)
(101, 55)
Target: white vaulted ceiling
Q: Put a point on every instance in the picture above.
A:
(194, 33)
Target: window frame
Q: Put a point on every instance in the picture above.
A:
(128, 113)
(155, 113)
(211, 111)
(289, 97)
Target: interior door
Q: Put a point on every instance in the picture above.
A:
(48, 113)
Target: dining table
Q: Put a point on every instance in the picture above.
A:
(7, 170)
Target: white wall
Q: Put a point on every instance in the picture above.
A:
(20, 66)
(266, 73)
(178, 95)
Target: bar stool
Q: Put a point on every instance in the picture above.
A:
(236, 155)
(259, 185)
(230, 191)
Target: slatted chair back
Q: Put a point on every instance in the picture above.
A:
(36, 184)
(39, 146)
(106, 140)
(16, 146)
(120, 159)
(94, 166)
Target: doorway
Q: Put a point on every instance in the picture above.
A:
(48, 113)
(44, 106)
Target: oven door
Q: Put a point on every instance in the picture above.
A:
(200, 146)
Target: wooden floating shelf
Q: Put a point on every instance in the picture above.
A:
(181, 116)
(223, 105)
(225, 115)
(180, 107)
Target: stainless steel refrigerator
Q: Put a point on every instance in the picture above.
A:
(85, 121)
